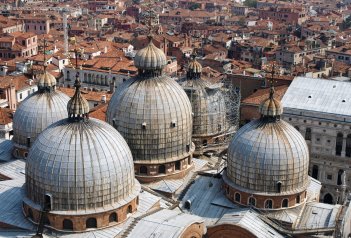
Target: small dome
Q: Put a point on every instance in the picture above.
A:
(150, 58)
(78, 105)
(46, 80)
(37, 112)
(194, 66)
(84, 165)
(271, 107)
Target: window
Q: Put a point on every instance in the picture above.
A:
(130, 209)
(177, 165)
(20, 95)
(348, 146)
(308, 134)
(340, 177)
(162, 169)
(298, 199)
(329, 176)
(252, 201)
(67, 224)
(204, 142)
(268, 204)
(30, 213)
(279, 186)
(237, 197)
(315, 171)
(91, 223)
(338, 144)
(143, 169)
(113, 217)
(285, 202)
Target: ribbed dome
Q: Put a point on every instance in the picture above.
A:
(78, 106)
(37, 112)
(208, 106)
(271, 107)
(150, 58)
(268, 151)
(154, 116)
(84, 165)
(46, 80)
(194, 66)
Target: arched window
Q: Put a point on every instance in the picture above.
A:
(91, 223)
(68, 75)
(348, 146)
(328, 198)
(204, 142)
(237, 197)
(268, 204)
(177, 165)
(339, 182)
(130, 209)
(308, 134)
(47, 205)
(143, 169)
(285, 202)
(113, 217)
(30, 213)
(162, 169)
(67, 224)
(279, 186)
(189, 160)
(298, 199)
(252, 201)
(315, 171)
(338, 144)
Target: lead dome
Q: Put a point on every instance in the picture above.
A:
(209, 109)
(268, 157)
(153, 113)
(37, 112)
(82, 169)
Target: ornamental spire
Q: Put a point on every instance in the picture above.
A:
(46, 81)
(78, 106)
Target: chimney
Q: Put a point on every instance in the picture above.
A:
(3, 70)
(103, 98)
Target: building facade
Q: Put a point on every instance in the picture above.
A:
(322, 117)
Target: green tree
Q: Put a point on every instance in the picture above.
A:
(250, 3)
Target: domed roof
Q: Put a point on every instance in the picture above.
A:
(208, 106)
(37, 112)
(154, 116)
(263, 153)
(271, 106)
(77, 105)
(83, 165)
(194, 66)
(46, 80)
(266, 152)
(150, 57)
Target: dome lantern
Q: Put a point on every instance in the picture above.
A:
(194, 68)
(150, 60)
(46, 81)
(78, 106)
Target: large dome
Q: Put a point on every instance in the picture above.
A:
(80, 169)
(37, 112)
(83, 165)
(153, 113)
(264, 153)
(267, 152)
(154, 116)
